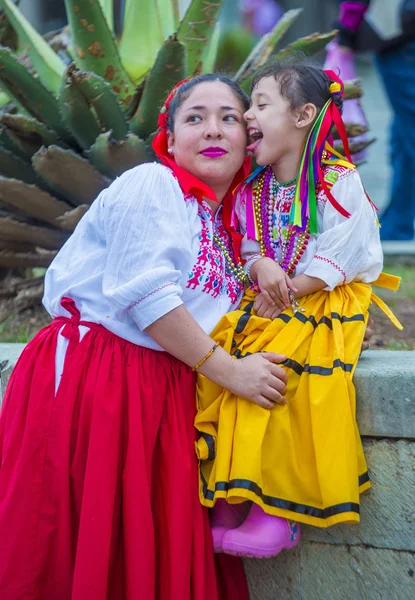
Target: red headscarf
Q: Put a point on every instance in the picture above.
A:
(191, 184)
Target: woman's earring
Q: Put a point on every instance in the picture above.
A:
(170, 150)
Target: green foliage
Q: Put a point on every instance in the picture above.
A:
(74, 128)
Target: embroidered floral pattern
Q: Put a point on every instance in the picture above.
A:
(333, 264)
(332, 174)
(211, 269)
(197, 275)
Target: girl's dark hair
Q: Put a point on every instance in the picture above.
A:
(184, 90)
(299, 84)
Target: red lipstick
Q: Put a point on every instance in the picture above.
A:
(213, 152)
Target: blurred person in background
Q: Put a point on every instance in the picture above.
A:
(395, 59)
(260, 16)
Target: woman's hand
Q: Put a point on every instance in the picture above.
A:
(258, 378)
(273, 282)
(264, 309)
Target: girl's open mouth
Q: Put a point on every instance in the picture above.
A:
(254, 139)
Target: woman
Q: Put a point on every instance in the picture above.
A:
(98, 474)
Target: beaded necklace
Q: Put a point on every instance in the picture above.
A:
(237, 269)
(293, 246)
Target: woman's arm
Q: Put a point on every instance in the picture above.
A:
(307, 285)
(255, 377)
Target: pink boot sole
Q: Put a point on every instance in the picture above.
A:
(243, 550)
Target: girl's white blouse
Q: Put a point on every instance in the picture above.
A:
(345, 249)
(142, 250)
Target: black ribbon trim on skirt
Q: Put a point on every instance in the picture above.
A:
(311, 369)
(364, 478)
(210, 442)
(243, 320)
(315, 369)
(303, 509)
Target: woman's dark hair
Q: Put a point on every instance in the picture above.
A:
(184, 90)
(299, 84)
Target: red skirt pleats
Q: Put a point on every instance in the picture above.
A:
(98, 483)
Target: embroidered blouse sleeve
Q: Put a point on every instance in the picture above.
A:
(149, 244)
(344, 246)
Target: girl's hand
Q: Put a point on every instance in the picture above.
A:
(274, 283)
(258, 378)
(264, 309)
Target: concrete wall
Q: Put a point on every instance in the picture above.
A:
(376, 559)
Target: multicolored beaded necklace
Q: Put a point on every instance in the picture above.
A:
(293, 246)
(237, 269)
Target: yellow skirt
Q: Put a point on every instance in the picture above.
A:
(304, 460)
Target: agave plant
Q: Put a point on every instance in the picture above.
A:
(82, 106)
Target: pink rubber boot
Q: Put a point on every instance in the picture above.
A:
(261, 535)
(223, 517)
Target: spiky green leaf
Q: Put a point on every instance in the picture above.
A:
(71, 218)
(352, 130)
(95, 47)
(267, 45)
(354, 147)
(113, 157)
(7, 100)
(11, 229)
(353, 89)
(7, 143)
(32, 201)
(195, 31)
(13, 260)
(77, 114)
(212, 51)
(47, 63)
(72, 176)
(13, 166)
(167, 17)
(108, 10)
(103, 101)
(309, 45)
(169, 69)
(4, 99)
(26, 135)
(141, 38)
(30, 92)
(152, 156)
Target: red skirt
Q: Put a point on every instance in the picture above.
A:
(98, 483)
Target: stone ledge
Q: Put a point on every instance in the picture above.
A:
(322, 572)
(387, 509)
(402, 253)
(385, 387)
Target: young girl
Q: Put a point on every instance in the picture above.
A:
(311, 245)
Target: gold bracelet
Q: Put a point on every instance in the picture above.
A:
(209, 354)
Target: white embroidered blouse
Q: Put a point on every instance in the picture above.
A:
(140, 251)
(345, 249)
